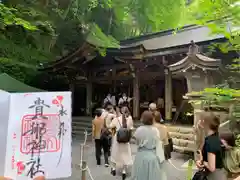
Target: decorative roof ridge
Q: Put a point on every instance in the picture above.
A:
(195, 59)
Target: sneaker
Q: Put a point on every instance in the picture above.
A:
(106, 165)
(124, 176)
(113, 172)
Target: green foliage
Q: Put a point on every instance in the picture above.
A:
(238, 140)
(15, 69)
(216, 96)
(221, 97)
(9, 16)
(190, 169)
(20, 34)
(225, 19)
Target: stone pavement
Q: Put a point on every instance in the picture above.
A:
(102, 173)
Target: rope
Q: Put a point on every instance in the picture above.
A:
(89, 173)
(86, 134)
(170, 162)
(225, 123)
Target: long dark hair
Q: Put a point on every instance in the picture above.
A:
(125, 113)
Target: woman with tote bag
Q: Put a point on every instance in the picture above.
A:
(150, 155)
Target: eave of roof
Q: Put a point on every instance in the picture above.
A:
(171, 38)
(76, 55)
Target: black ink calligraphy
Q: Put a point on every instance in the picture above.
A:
(37, 129)
(38, 105)
(34, 167)
(62, 112)
(61, 130)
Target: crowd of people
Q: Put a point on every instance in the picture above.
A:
(113, 129)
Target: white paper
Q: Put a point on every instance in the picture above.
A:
(35, 121)
(4, 117)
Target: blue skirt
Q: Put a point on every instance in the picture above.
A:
(146, 166)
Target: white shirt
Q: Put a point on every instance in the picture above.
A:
(124, 99)
(110, 99)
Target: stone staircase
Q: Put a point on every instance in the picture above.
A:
(183, 138)
(79, 125)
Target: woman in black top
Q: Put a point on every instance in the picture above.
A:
(211, 154)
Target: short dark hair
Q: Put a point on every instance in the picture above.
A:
(147, 118)
(98, 112)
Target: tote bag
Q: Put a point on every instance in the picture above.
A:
(159, 147)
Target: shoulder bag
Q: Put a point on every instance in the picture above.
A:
(105, 133)
(200, 175)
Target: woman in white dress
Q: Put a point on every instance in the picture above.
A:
(121, 155)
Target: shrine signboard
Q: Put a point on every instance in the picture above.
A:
(35, 135)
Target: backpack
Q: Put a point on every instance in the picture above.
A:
(123, 134)
(105, 133)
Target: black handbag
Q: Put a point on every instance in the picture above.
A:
(167, 152)
(105, 133)
(200, 175)
(170, 144)
(123, 134)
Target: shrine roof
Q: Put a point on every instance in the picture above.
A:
(152, 45)
(172, 38)
(195, 59)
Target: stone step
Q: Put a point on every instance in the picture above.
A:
(180, 129)
(82, 123)
(183, 143)
(183, 138)
(178, 135)
(82, 119)
(83, 128)
(183, 150)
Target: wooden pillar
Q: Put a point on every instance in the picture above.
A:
(89, 96)
(136, 96)
(168, 94)
(71, 77)
(114, 80)
(72, 89)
